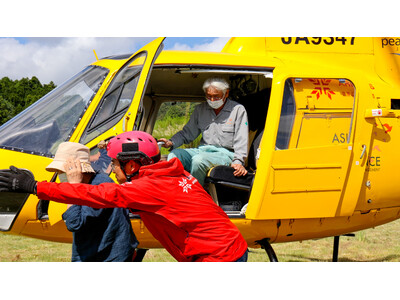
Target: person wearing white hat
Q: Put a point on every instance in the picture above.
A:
(98, 234)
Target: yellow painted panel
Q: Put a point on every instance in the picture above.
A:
(321, 44)
(300, 205)
(324, 129)
(305, 183)
(261, 45)
(55, 211)
(307, 178)
(318, 93)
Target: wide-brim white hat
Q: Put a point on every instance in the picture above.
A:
(71, 149)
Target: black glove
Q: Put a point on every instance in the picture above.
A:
(17, 180)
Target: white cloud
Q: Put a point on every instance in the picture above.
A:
(215, 46)
(57, 59)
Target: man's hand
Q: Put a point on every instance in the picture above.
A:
(17, 181)
(73, 170)
(239, 170)
(167, 143)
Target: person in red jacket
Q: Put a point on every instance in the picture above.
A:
(172, 204)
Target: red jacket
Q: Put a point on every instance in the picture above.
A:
(173, 206)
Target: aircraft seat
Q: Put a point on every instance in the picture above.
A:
(231, 192)
(224, 175)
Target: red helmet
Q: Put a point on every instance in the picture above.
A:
(134, 145)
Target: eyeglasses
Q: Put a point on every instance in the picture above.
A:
(113, 166)
(214, 98)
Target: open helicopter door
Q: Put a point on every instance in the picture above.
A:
(118, 108)
(308, 165)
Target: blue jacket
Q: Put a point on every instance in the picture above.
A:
(100, 234)
(101, 165)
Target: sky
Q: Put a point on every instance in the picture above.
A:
(58, 58)
(54, 42)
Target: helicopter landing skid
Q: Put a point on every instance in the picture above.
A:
(140, 253)
(336, 246)
(268, 248)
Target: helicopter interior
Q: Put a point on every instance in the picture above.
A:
(172, 87)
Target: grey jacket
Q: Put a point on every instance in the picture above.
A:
(229, 129)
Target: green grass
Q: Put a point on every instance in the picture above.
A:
(167, 127)
(380, 244)
(23, 249)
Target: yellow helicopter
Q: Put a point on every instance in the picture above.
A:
(324, 120)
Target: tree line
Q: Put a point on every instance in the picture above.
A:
(16, 95)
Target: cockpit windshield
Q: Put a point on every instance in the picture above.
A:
(51, 120)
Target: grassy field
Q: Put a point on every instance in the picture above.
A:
(380, 244)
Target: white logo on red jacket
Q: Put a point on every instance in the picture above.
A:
(185, 185)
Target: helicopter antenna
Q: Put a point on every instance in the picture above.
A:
(95, 54)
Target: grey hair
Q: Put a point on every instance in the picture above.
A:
(217, 82)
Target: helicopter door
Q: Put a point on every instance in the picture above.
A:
(305, 173)
(117, 109)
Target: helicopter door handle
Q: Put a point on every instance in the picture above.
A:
(124, 121)
(363, 152)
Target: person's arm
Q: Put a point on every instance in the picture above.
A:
(137, 195)
(77, 217)
(240, 143)
(189, 132)
(73, 218)
(94, 157)
(144, 194)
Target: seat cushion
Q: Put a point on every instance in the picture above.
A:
(225, 174)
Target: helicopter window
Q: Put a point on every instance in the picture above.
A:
(395, 104)
(106, 108)
(117, 99)
(315, 112)
(51, 120)
(287, 117)
(11, 203)
(171, 118)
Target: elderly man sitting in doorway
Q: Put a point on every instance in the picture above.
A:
(224, 127)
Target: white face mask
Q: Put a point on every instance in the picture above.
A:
(215, 104)
(63, 177)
